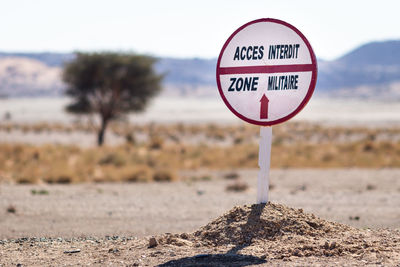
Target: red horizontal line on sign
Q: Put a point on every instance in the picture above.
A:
(266, 69)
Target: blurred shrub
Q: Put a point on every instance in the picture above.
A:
(156, 142)
(130, 138)
(165, 175)
(140, 173)
(115, 159)
(297, 146)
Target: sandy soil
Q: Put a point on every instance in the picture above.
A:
(124, 209)
(267, 235)
(65, 218)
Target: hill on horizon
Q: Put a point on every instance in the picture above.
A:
(374, 65)
(369, 70)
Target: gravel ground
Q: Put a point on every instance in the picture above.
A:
(111, 223)
(249, 235)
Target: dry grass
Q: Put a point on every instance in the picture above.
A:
(158, 135)
(168, 149)
(66, 164)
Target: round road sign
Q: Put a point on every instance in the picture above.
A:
(266, 72)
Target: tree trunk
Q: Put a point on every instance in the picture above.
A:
(102, 131)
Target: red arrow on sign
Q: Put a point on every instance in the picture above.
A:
(264, 107)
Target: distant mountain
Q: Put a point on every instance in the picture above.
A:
(182, 76)
(22, 76)
(374, 64)
(191, 71)
(50, 59)
(371, 70)
(376, 53)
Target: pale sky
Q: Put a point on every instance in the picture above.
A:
(180, 28)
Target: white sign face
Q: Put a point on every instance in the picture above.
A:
(266, 72)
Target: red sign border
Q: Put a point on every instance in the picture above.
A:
(310, 89)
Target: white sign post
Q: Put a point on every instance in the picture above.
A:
(266, 74)
(264, 161)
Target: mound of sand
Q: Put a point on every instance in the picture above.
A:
(279, 232)
(245, 224)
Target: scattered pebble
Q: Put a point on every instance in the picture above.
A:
(298, 189)
(371, 187)
(231, 176)
(237, 186)
(153, 242)
(355, 218)
(113, 250)
(11, 209)
(200, 192)
(72, 251)
(184, 236)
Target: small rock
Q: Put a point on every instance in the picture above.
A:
(180, 242)
(355, 218)
(11, 209)
(113, 250)
(271, 187)
(296, 252)
(200, 192)
(371, 187)
(153, 242)
(184, 236)
(327, 253)
(237, 186)
(231, 175)
(330, 246)
(72, 251)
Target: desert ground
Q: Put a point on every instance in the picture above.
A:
(112, 223)
(334, 192)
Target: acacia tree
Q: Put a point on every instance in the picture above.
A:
(110, 84)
